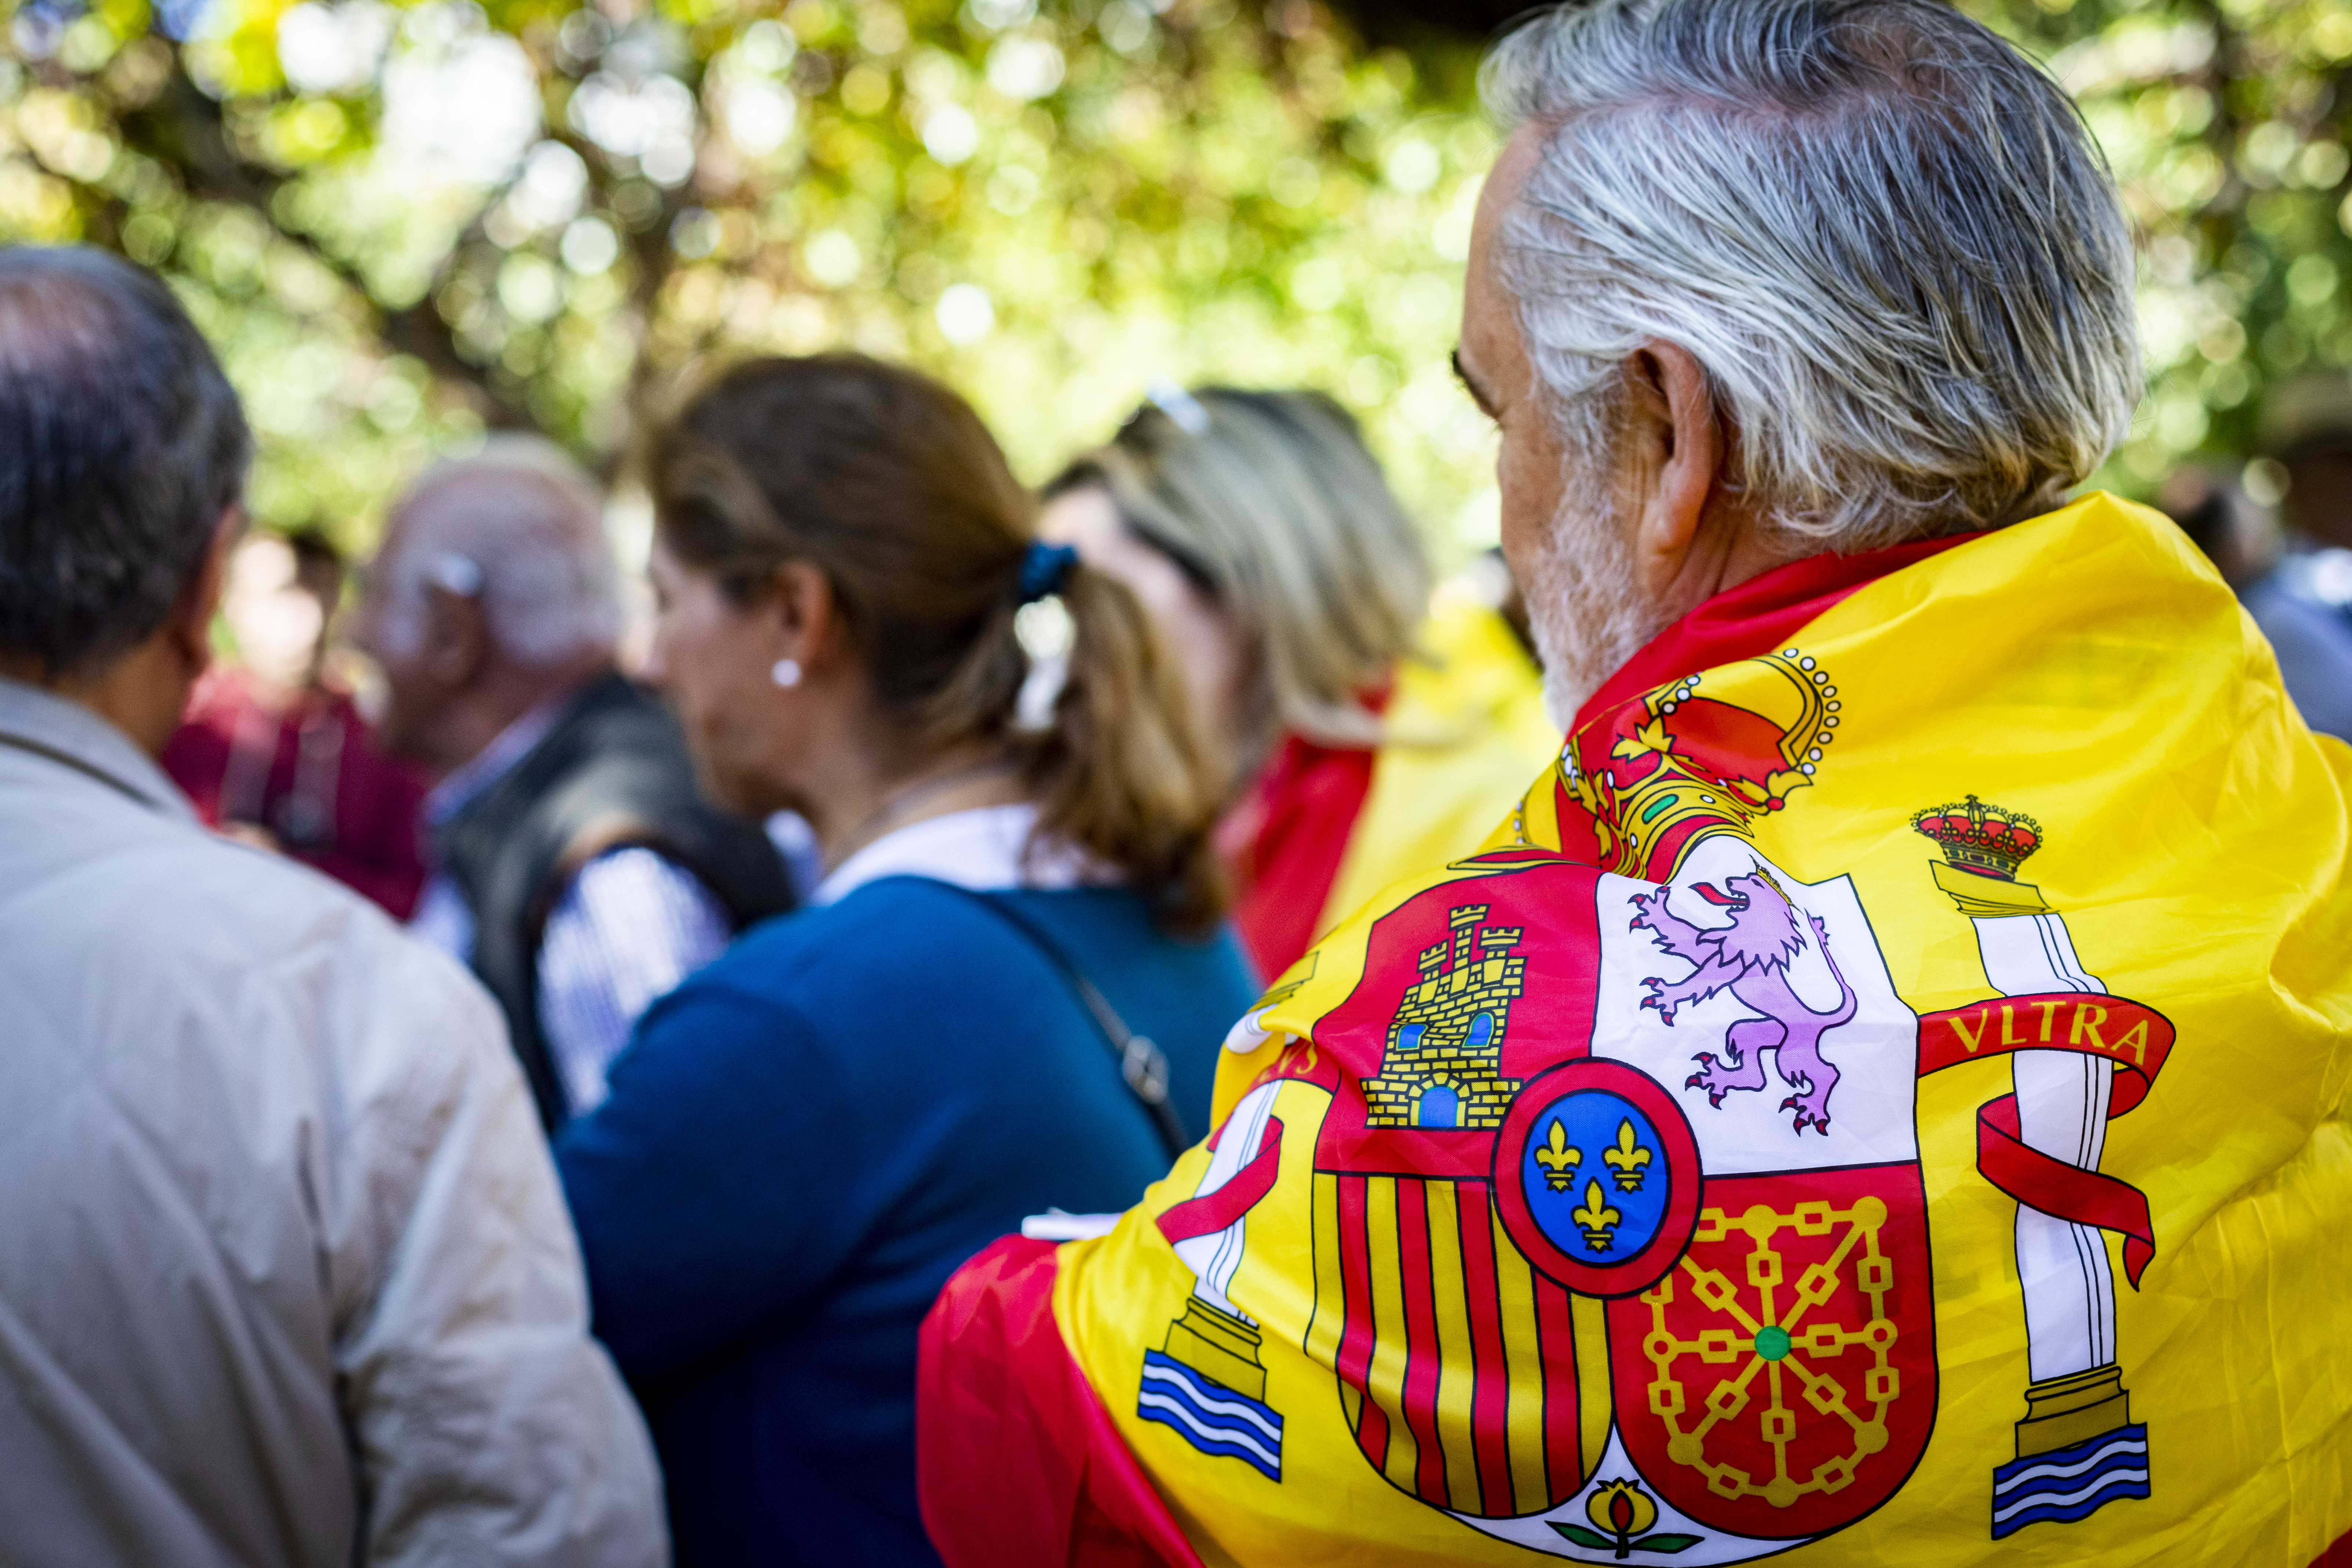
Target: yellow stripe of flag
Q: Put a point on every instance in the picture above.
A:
(1455, 1370)
(1516, 1288)
(1322, 1343)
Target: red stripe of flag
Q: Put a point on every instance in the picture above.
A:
(1490, 1387)
(1420, 1340)
(1355, 1357)
(1556, 1343)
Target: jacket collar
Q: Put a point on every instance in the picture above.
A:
(74, 739)
(505, 753)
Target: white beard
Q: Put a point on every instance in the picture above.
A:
(1585, 611)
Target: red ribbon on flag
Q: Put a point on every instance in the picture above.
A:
(2055, 1187)
(1212, 1212)
(2136, 1038)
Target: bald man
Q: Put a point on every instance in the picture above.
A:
(581, 872)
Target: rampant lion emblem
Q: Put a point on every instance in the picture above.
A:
(1749, 958)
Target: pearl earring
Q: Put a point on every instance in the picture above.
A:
(786, 673)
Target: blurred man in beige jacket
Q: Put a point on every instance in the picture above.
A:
(285, 1276)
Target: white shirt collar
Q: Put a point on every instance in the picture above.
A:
(76, 737)
(984, 849)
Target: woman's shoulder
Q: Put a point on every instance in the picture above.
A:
(910, 935)
(889, 928)
(1115, 931)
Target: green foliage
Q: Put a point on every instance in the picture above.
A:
(2226, 121)
(402, 224)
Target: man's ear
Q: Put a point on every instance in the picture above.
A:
(1678, 449)
(456, 636)
(188, 629)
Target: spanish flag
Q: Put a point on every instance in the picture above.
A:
(1880, 1098)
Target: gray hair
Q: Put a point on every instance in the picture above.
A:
(1883, 232)
(121, 445)
(520, 526)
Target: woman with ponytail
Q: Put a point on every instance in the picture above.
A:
(1365, 729)
(1007, 993)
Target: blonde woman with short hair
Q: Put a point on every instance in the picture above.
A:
(1362, 733)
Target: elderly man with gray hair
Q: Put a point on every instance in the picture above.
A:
(581, 872)
(1913, 823)
(285, 1276)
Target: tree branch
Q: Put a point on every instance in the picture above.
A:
(183, 129)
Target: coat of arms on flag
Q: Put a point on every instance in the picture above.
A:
(1621, 1246)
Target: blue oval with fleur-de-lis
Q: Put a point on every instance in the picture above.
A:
(1595, 1176)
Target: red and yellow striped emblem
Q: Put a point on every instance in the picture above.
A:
(1456, 1360)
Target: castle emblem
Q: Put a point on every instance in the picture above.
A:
(1440, 1068)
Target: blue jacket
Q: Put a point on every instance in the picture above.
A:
(808, 1136)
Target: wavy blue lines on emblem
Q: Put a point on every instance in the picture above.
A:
(1209, 1416)
(2069, 1484)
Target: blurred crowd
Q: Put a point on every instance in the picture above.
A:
(903, 891)
(1055, 788)
(2280, 533)
(528, 805)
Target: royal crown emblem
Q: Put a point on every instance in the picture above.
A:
(1981, 838)
(1983, 847)
(1662, 771)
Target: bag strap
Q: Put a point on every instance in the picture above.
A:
(1142, 1064)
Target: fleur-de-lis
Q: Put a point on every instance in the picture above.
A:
(1558, 1157)
(1629, 1160)
(1596, 1219)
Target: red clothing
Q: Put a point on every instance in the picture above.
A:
(1061, 1485)
(310, 773)
(1283, 842)
(1324, 828)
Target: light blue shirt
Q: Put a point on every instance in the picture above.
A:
(630, 925)
(628, 929)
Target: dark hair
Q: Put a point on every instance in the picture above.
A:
(890, 485)
(314, 551)
(120, 445)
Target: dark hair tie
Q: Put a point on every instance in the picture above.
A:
(1043, 569)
